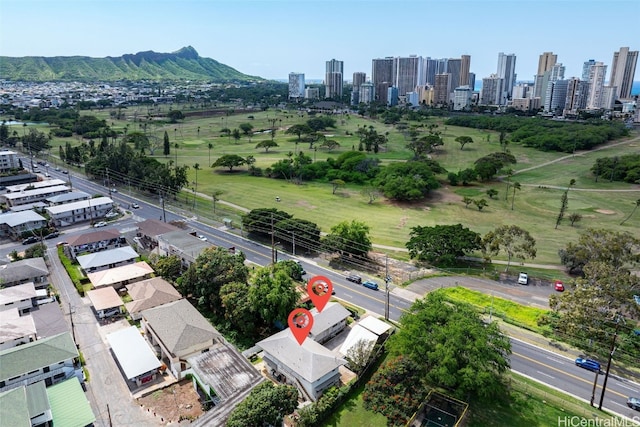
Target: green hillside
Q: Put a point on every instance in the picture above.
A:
(184, 64)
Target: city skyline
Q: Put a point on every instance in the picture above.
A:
(272, 38)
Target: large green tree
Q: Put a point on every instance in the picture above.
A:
(273, 295)
(442, 243)
(408, 181)
(168, 267)
(454, 348)
(229, 161)
(396, 390)
(299, 233)
(349, 239)
(266, 405)
(513, 240)
(263, 220)
(212, 269)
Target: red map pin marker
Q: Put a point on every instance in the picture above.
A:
(300, 323)
(320, 289)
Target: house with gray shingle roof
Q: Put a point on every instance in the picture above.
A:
(51, 360)
(26, 270)
(81, 211)
(150, 293)
(329, 322)
(107, 259)
(311, 367)
(72, 196)
(178, 331)
(92, 241)
(25, 406)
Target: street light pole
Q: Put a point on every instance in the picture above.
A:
(387, 279)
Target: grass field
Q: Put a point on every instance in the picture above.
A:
(535, 208)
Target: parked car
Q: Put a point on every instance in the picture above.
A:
(52, 235)
(634, 403)
(354, 278)
(589, 364)
(135, 206)
(111, 214)
(201, 237)
(100, 224)
(30, 240)
(65, 171)
(370, 284)
(559, 286)
(523, 279)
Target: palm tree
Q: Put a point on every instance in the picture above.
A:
(516, 186)
(197, 168)
(634, 209)
(210, 147)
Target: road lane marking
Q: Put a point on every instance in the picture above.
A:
(546, 375)
(568, 374)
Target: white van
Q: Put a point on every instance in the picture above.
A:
(523, 279)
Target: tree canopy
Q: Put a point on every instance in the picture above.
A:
(408, 181)
(267, 404)
(229, 161)
(442, 243)
(453, 347)
(513, 240)
(349, 239)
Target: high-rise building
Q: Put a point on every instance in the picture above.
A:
(462, 98)
(556, 96)
(312, 93)
(358, 78)
(623, 69)
(491, 93)
(556, 72)
(597, 74)
(334, 78)
(381, 77)
(546, 61)
(442, 89)
(608, 97)
(296, 85)
(507, 70)
(576, 100)
(381, 92)
(366, 93)
(585, 68)
(430, 67)
(407, 73)
(465, 68)
(392, 96)
(454, 65)
(472, 81)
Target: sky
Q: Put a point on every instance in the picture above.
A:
(271, 38)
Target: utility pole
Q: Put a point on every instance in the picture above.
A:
(612, 350)
(293, 243)
(164, 214)
(73, 329)
(108, 183)
(387, 279)
(273, 244)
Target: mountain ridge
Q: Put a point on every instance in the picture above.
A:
(183, 64)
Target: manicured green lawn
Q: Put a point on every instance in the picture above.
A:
(353, 414)
(535, 207)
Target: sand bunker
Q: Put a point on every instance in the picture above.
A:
(605, 211)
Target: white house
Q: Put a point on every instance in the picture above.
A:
(13, 224)
(21, 297)
(107, 259)
(329, 322)
(80, 211)
(311, 367)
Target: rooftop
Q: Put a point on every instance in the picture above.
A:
(23, 269)
(92, 237)
(120, 274)
(153, 227)
(150, 293)
(81, 204)
(104, 298)
(69, 405)
(132, 351)
(17, 293)
(13, 219)
(332, 314)
(110, 256)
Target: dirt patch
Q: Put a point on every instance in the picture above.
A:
(174, 403)
(305, 204)
(605, 211)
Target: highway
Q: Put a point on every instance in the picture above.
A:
(542, 365)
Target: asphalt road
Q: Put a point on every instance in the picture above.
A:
(550, 368)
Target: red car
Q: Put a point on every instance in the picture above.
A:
(559, 286)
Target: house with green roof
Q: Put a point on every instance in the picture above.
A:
(63, 404)
(52, 360)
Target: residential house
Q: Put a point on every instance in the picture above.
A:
(118, 277)
(31, 196)
(69, 404)
(72, 196)
(16, 330)
(178, 331)
(149, 230)
(149, 293)
(35, 185)
(106, 302)
(22, 297)
(51, 360)
(367, 332)
(14, 224)
(180, 243)
(310, 367)
(9, 160)
(26, 406)
(23, 271)
(81, 211)
(329, 322)
(92, 241)
(107, 259)
(137, 360)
